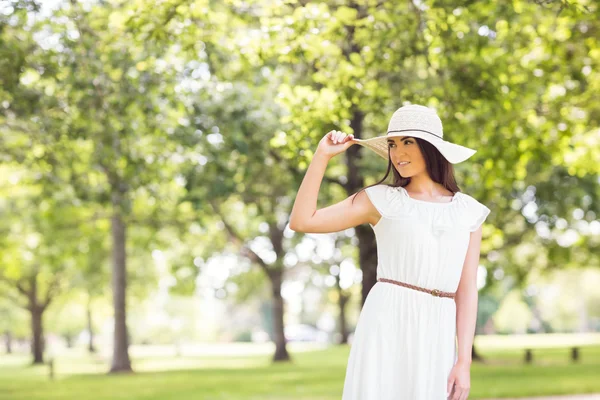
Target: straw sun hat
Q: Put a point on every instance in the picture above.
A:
(422, 122)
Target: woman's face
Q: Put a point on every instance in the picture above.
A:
(405, 149)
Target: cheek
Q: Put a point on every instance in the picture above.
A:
(416, 155)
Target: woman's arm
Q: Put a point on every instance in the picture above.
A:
(347, 213)
(305, 204)
(466, 299)
(459, 381)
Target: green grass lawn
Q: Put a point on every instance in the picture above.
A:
(311, 375)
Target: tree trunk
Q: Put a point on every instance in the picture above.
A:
(36, 310)
(90, 328)
(37, 330)
(120, 361)
(342, 300)
(8, 341)
(367, 256)
(367, 246)
(281, 353)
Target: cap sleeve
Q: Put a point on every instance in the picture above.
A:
(479, 213)
(377, 195)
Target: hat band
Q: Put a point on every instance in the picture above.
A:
(421, 130)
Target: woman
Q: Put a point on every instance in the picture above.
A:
(428, 243)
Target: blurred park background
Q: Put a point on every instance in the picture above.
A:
(150, 155)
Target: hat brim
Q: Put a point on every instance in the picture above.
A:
(453, 152)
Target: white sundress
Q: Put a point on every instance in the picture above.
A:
(404, 345)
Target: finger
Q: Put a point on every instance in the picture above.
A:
(338, 136)
(457, 393)
(333, 136)
(465, 395)
(449, 387)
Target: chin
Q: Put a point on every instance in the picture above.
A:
(404, 175)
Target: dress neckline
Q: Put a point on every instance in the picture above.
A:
(453, 200)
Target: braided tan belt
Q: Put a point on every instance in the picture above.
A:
(433, 292)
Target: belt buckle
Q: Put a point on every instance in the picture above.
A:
(436, 293)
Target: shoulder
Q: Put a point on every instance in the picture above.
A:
(382, 192)
(381, 188)
(470, 200)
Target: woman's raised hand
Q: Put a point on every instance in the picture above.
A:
(334, 142)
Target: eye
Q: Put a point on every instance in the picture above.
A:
(390, 144)
(408, 141)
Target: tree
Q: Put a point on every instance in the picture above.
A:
(348, 65)
(37, 258)
(99, 108)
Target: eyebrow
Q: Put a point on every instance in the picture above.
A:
(403, 138)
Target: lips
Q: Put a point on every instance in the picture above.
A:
(403, 163)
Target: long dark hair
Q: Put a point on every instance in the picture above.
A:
(439, 169)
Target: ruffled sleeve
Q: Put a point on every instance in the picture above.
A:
(466, 213)
(377, 196)
(388, 201)
(479, 213)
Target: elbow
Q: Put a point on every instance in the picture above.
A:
(301, 225)
(295, 226)
(469, 294)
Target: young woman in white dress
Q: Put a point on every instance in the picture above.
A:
(415, 331)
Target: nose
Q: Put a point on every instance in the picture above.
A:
(397, 153)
